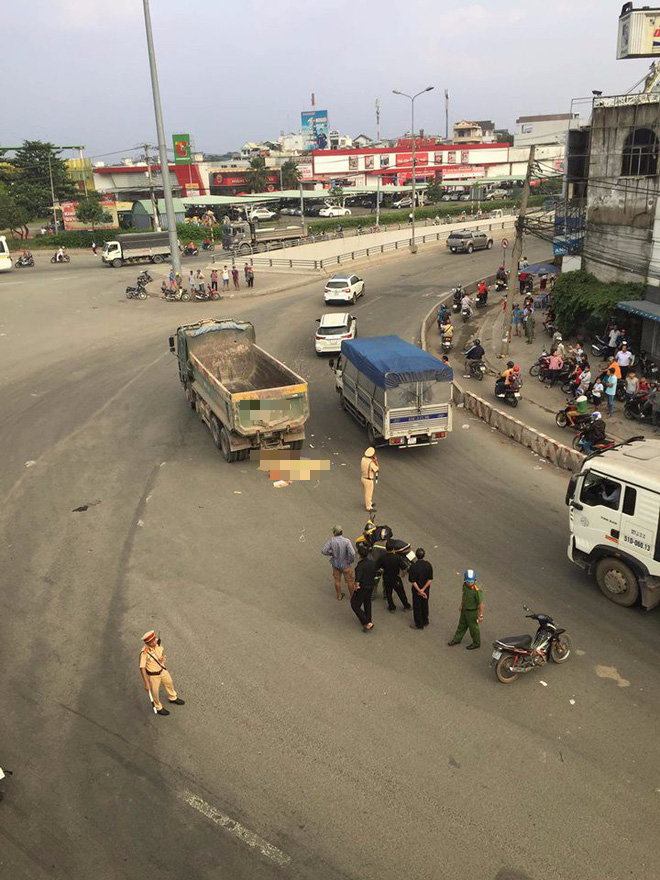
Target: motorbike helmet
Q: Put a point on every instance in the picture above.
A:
(596, 416)
(558, 337)
(516, 369)
(581, 399)
(510, 364)
(476, 342)
(470, 576)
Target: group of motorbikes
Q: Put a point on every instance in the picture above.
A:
(26, 259)
(512, 655)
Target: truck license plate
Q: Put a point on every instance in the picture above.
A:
(412, 440)
(497, 655)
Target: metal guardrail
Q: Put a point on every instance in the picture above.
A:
(358, 253)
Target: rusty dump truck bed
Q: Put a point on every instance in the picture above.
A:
(240, 365)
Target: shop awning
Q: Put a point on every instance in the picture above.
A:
(641, 307)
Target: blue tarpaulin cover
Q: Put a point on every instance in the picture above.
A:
(389, 361)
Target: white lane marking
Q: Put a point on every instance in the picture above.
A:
(244, 834)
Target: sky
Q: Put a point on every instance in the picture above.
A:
(76, 71)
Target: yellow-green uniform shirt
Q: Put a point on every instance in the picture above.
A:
(472, 599)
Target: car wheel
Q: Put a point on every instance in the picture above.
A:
(354, 299)
(490, 244)
(363, 290)
(470, 248)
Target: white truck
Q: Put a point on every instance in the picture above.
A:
(399, 393)
(614, 515)
(137, 247)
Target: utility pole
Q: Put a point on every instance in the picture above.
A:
(446, 114)
(155, 220)
(52, 195)
(377, 120)
(162, 146)
(302, 209)
(411, 98)
(378, 200)
(516, 252)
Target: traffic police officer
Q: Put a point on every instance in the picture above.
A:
(369, 474)
(472, 612)
(153, 669)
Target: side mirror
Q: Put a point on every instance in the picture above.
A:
(318, 320)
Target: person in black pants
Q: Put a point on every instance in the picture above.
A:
(365, 581)
(420, 576)
(392, 565)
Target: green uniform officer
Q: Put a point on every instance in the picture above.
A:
(472, 612)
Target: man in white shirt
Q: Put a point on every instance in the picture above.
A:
(624, 359)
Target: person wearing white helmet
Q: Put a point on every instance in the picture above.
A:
(369, 475)
(578, 410)
(472, 612)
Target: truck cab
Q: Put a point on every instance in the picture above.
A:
(614, 520)
(111, 254)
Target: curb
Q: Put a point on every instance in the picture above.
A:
(557, 453)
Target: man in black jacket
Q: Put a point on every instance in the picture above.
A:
(365, 581)
(420, 576)
(391, 564)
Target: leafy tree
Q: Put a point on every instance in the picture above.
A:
(91, 211)
(257, 175)
(32, 167)
(503, 137)
(582, 302)
(433, 192)
(337, 193)
(290, 174)
(12, 216)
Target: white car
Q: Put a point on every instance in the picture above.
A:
(262, 214)
(343, 289)
(334, 211)
(333, 328)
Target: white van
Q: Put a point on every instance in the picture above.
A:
(614, 514)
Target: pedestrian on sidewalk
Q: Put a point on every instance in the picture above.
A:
(632, 385)
(365, 581)
(420, 576)
(246, 273)
(392, 565)
(529, 321)
(516, 320)
(214, 280)
(585, 378)
(94, 248)
(225, 278)
(153, 669)
(200, 281)
(613, 337)
(610, 390)
(523, 264)
(342, 556)
(597, 391)
(250, 276)
(471, 612)
(234, 276)
(617, 369)
(369, 470)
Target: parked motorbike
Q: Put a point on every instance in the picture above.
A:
(65, 258)
(190, 251)
(24, 262)
(599, 347)
(509, 393)
(136, 292)
(144, 278)
(515, 655)
(541, 363)
(177, 295)
(638, 408)
(206, 295)
(579, 421)
(648, 367)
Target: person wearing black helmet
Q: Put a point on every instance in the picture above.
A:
(392, 565)
(474, 353)
(365, 581)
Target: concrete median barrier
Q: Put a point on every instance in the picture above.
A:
(555, 452)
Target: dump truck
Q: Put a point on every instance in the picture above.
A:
(247, 237)
(136, 247)
(399, 393)
(246, 397)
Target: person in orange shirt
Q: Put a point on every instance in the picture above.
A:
(617, 369)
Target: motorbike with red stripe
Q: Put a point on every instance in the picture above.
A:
(516, 655)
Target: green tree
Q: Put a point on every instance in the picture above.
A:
(91, 211)
(433, 192)
(337, 193)
(33, 164)
(290, 174)
(12, 216)
(257, 175)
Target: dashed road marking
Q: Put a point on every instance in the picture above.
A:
(233, 827)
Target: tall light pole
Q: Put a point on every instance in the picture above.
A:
(413, 246)
(162, 146)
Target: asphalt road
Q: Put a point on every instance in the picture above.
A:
(306, 748)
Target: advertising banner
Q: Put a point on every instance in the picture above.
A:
(71, 221)
(314, 127)
(182, 152)
(404, 160)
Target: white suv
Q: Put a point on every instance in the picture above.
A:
(262, 214)
(333, 328)
(343, 289)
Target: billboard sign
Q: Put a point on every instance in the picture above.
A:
(639, 33)
(70, 218)
(314, 127)
(182, 151)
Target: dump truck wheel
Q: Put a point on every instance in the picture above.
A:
(296, 444)
(216, 432)
(225, 446)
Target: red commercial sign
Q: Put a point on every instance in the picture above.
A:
(404, 160)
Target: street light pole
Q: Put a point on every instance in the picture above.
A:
(162, 146)
(413, 246)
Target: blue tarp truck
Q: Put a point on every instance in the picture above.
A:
(399, 393)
